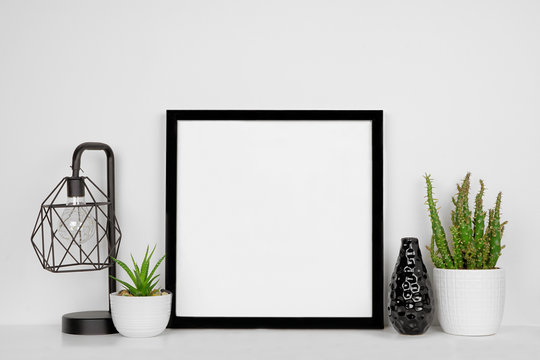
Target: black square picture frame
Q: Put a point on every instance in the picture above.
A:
(212, 320)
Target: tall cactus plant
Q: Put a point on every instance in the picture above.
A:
(473, 245)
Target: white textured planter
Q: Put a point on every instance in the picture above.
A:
(470, 302)
(140, 316)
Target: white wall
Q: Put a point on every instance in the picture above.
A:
(459, 83)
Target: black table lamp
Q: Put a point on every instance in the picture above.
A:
(80, 234)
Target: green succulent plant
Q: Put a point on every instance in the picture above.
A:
(474, 245)
(144, 281)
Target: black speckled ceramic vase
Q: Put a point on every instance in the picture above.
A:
(410, 299)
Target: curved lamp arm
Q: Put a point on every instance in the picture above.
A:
(76, 166)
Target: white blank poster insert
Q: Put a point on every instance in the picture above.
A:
(274, 219)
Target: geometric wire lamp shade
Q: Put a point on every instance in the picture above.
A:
(72, 236)
(80, 234)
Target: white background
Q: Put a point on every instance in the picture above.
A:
(459, 82)
(274, 219)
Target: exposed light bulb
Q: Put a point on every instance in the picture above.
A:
(77, 223)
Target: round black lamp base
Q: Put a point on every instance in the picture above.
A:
(88, 323)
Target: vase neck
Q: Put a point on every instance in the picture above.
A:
(409, 241)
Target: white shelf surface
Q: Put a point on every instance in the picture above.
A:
(47, 342)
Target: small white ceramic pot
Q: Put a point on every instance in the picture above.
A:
(469, 302)
(140, 316)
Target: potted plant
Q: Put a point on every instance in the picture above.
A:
(141, 309)
(469, 287)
